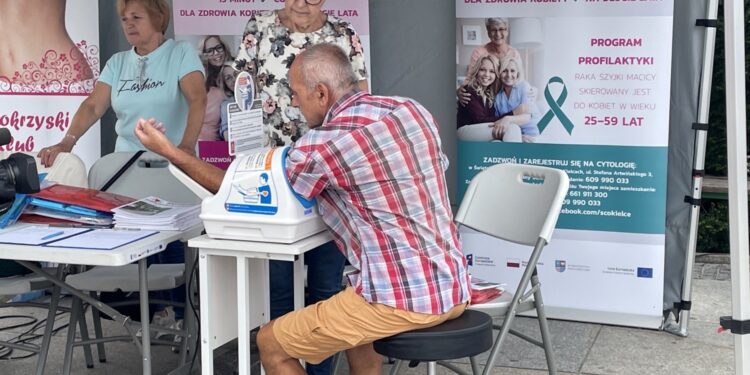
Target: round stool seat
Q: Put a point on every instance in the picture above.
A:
(468, 335)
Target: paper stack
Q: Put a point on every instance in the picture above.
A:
(483, 291)
(157, 214)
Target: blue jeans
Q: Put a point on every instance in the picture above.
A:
(173, 254)
(325, 267)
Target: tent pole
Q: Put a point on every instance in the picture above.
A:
(737, 172)
(709, 41)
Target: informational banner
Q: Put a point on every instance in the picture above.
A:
(201, 22)
(49, 63)
(584, 87)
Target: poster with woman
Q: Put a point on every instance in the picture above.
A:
(48, 65)
(222, 24)
(584, 87)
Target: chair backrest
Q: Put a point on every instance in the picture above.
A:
(68, 169)
(514, 202)
(148, 176)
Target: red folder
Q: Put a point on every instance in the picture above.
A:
(83, 197)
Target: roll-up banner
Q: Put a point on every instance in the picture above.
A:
(195, 20)
(581, 86)
(49, 63)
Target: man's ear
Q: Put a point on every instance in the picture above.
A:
(323, 94)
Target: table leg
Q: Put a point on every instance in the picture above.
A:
(207, 353)
(299, 282)
(145, 318)
(243, 315)
(42, 360)
(252, 285)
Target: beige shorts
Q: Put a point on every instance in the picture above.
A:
(345, 321)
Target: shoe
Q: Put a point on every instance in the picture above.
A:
(177, 338)
(162, 319)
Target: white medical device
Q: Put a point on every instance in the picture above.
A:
(255, 202)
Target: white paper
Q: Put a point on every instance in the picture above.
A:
(38, 235)
(103, 239)
(245, 128)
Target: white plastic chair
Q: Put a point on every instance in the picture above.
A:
(148, 175)
(520, 204)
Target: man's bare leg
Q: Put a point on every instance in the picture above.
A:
(273, 357)
(363, 360)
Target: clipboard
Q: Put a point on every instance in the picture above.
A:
(102, 239)
(38, 235)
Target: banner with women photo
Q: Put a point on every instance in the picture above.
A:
(217, 29)
(48, 65)
(584, 87)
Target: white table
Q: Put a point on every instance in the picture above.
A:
(229, 266)
(135, 251)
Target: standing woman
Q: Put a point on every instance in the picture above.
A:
(157, 78)
(214, 53)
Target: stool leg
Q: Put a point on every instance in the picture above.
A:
(431, 368)
(84, 333)
(474, 366)
(396, 367)
(98, 331)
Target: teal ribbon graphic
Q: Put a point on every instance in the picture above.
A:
(554, 107)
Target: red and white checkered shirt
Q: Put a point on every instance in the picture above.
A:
(377, 169)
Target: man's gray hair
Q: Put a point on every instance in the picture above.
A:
(328, 64)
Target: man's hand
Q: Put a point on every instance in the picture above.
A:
(151, 135)
(463, 95)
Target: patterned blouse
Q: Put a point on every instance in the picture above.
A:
(267, 51)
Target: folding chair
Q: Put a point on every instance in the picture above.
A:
(520, 204)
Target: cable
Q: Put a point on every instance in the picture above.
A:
(195, 312)
(5, 352)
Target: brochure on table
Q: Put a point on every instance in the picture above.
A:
(79, 238)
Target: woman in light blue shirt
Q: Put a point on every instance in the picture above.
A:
(512, 102)
(157, 78)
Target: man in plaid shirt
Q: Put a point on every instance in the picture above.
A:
(376, 167)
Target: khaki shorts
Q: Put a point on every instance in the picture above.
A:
(345, 321)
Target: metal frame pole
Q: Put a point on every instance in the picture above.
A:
(699, 158)
(734, 45)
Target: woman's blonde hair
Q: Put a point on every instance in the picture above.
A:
(158, 11)
(505, 61)
(486, 93)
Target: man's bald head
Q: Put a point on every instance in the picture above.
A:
(319, 77)
(327, 64)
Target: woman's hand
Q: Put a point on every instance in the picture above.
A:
(463, 95)
(499, 126)
(48, 155)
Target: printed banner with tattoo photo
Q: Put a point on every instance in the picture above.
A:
(49, 63)
(583, 87)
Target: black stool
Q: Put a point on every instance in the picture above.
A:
(466, 336)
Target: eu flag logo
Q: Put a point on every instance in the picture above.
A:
(645, 272)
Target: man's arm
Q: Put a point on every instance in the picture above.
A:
(203, 173)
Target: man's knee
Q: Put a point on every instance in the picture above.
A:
(270, 349)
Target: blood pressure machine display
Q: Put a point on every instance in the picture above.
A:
(255, 202)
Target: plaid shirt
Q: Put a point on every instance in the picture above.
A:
(376, 167)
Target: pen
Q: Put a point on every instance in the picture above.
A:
(52, 235)
(60, 225)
